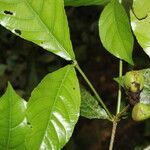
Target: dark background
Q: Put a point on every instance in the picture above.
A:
(24, 64)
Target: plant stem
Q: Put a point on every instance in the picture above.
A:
(119, 91)
(123, 111)
(115, 122)
(94, 91)
(113, 135)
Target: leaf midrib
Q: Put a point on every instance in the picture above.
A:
(46, 28)
(9, 123)
(117, 29)
(55, 99)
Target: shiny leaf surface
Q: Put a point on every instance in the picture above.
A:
(42, 22)
(85, 2)
(140, 22)
(89, 106)
(115, 32)
(13, 125)
(53, 110)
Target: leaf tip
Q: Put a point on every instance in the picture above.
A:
(9, 86)
(130, 61)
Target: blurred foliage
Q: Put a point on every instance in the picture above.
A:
(24, 64)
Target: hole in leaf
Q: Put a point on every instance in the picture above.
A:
(29, 124)
(18, 31)
(8, 12)
(70, 62)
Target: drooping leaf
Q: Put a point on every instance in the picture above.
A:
(145, 93)
(115, 32)
(13, 125)
(90, 107)
(42, 22)
(140, 22)
(85, 2)
(53, 110)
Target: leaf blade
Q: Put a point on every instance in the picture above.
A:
(13, 125)
(115, 32)
(48, 29)
(60, 107)
(140, 21)
(89, 106)
(85, 2)
(145, 94)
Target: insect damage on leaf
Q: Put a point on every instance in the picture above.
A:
(133, 97)
(8, 12)
(142, 18)
(18, 31)
(133, 83)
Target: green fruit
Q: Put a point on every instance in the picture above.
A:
(134, 81)
(141, 112)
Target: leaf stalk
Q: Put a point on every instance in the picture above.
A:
(95, 92)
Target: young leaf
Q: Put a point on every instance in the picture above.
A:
(145, 93)
(53, 110)
(90, 107)
(85, 2)
(141, 112)
(120, 80)
(115, 32)
(13, 126)
(42, 22)
(140, 22)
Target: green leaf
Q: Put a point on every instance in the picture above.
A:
(42, 22)
(13, 125)
(120, 80)
(140, 22)
(145, 93)
(85, 2)
(115, 32)
(90, 107)
(53, 110)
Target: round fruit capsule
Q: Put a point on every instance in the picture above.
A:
(141, 112)
(134, 81)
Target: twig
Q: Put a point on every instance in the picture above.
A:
(116, 119)
(113, 135)
(94, 91)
